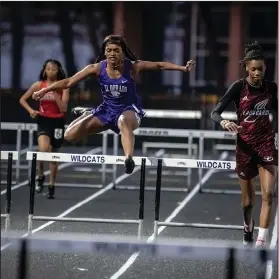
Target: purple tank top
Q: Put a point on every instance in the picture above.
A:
(118, 93)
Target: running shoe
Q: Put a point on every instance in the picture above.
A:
(40, 184)
(261, 243)
(129, 165)
(78, 111)
(248, 236)
(51, 191)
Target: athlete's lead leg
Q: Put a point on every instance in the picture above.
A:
(127, 123)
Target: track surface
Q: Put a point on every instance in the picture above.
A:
(123, 204)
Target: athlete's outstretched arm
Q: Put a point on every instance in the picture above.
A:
(139, 66)
(231, 94)
(66, 83)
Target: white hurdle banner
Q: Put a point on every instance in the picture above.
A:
(5, 155)
(119, 160)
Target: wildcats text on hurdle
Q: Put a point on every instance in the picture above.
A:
(88, 159)
(214, 165)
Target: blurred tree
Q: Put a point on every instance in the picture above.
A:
(67, 37)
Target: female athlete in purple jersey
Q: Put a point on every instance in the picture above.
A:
(256, 152)
(121, 109)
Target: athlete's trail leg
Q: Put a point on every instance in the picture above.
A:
(82, 127)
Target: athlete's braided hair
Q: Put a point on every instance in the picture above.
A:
(253, 51)
(118, 40)
(60, 74)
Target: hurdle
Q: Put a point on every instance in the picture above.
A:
(156, 132)
(221, 165)
(10, 156)
(186, 249)
(90, 159)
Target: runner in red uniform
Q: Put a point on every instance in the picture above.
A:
(50, 118)
(254, 98)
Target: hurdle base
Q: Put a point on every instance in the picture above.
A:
(86, 220)
(224, 192)
(166, 189)
(78, 185)
(204, 226)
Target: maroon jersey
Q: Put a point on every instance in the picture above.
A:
(253, 113)
(256, 141)
(253, 107)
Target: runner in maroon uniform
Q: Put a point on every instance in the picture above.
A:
(254, 98)
(50, 118)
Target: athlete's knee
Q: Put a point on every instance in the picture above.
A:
(127, 122)
(69, 135)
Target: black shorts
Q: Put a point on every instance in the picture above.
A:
(53, 128)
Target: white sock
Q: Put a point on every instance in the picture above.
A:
(262, 233)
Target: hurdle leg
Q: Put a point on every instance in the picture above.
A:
(201, 149)
(32, 193)
(189, 177)
(105, 152)
(18, 148)
(157, 197)
(30, 147)
(141, 197)
(230, 264)
(22, 267)
(9, 191)
(115, 152)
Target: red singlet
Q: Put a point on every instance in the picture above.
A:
(48, 106)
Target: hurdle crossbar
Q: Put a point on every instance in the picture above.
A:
(63, 157)
(200, 225)
(119, 160)
(10, 156)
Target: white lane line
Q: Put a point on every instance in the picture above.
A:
(274, 239)
(176, 211)
(84, 201)
(60, 167)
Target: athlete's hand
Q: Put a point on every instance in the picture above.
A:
(189, 65)
(34, 113)
(230, 126)
(38, 94)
